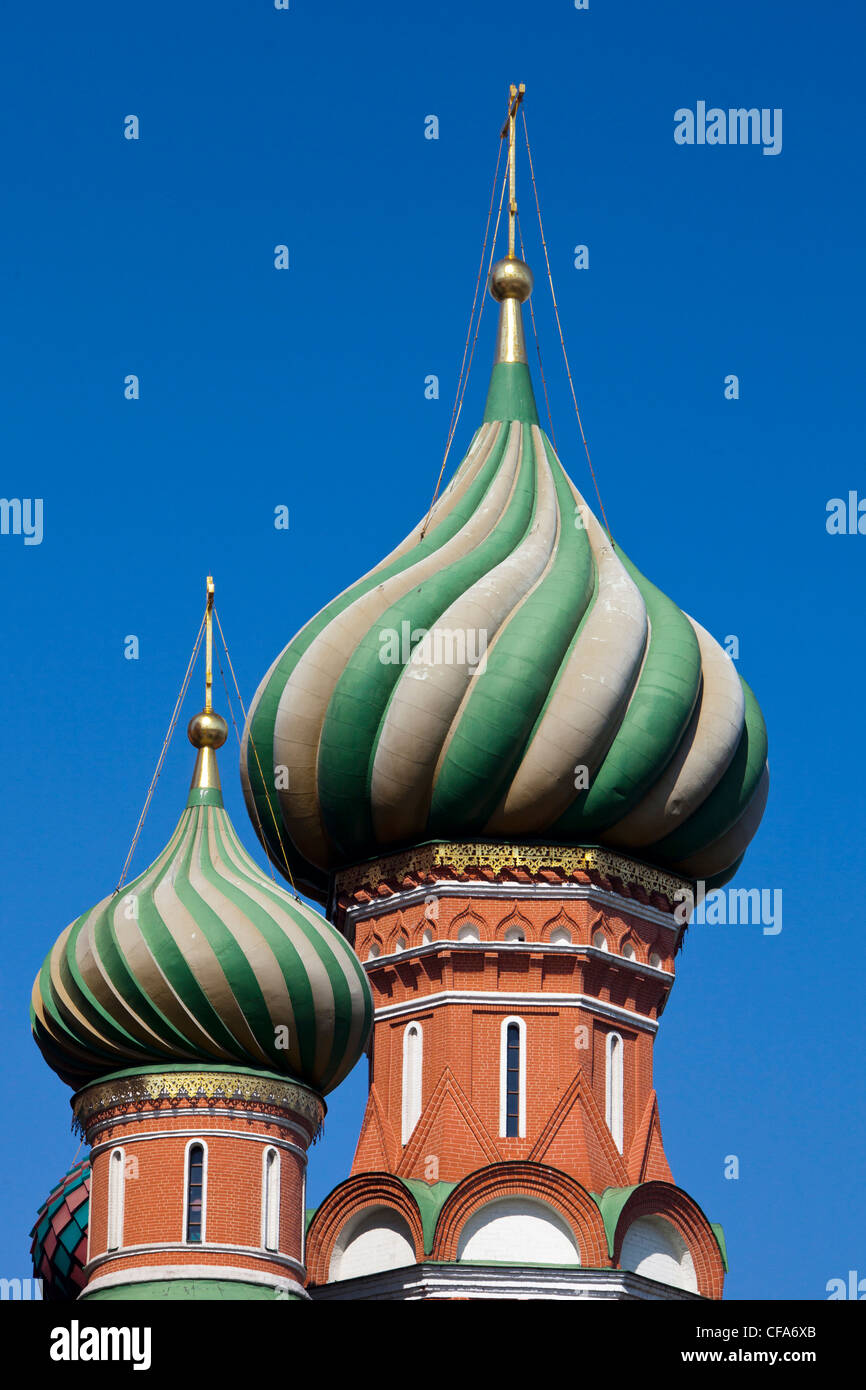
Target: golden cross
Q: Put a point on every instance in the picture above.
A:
(208, 675)
(515, 97)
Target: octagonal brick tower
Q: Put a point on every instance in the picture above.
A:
(503, 759)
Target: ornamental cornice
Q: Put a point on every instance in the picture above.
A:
(427, 861)
(185, 1087)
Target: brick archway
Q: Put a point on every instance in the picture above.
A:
(670, 1202)
(533, 1180)
(352, 1197)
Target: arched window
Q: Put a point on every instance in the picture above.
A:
(560, 936)
(600, 941)
(400, 944)
(116, 1184)
(629, 952)
(468, 932)
(195, 1193)
(656, 961)
(512, 1079)
(427, 938)
(373, 951)
(271, 1199)
(412, 1062)
(613, 1087)
(515, 933)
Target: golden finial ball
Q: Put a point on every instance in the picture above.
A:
(511, 278)
(207, 730)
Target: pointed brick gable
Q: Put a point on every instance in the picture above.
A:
(378, 1150)
(450, 1132)
(577, 1140)
(646, 1160)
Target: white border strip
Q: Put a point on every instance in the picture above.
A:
(133, 1117)
(578, 948)
(251, 1252)
(265, 1139)
(496, 999)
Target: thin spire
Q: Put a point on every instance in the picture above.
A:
(515, 97)
(207, 731)
(510, 281)
(208, 671)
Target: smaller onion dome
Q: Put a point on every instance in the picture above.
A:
(202, 959)
(59, 1246)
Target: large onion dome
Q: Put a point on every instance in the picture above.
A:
(506, 674)
(59, 1246)
(202, 959)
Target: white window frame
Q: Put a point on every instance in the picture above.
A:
(204, 1157)
(503, 1077)
(271, 1219)
(412, 1084)
(116, 1198)
(613, 1087)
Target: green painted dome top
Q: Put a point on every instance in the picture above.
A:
(506, 674)
(202, 959)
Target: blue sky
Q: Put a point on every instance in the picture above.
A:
(306, 388)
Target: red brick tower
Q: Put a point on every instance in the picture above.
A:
(512, 1120)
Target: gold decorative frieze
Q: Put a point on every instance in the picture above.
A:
(146, 1088)
(499, 858)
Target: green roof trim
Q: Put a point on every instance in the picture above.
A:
(431, 1197)
(189, 1291)
(610, 1203)
(719, 1233)
(510, 395)
(204, 796)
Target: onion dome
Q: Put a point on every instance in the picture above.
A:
(59, 1246)
(202, 959)
(506, 674)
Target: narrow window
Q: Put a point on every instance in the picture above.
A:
(512, 1079)
(271, 1200)
(116, 1166)
(412, 1061)
(613, 1087)
(195, 1191)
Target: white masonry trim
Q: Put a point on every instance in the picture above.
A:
(265, 1139)
(251, 1252)
(431, 1280)
(226, 1273)
(480, 888)
(137, 1116)
(502, 999)
(535, 948)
